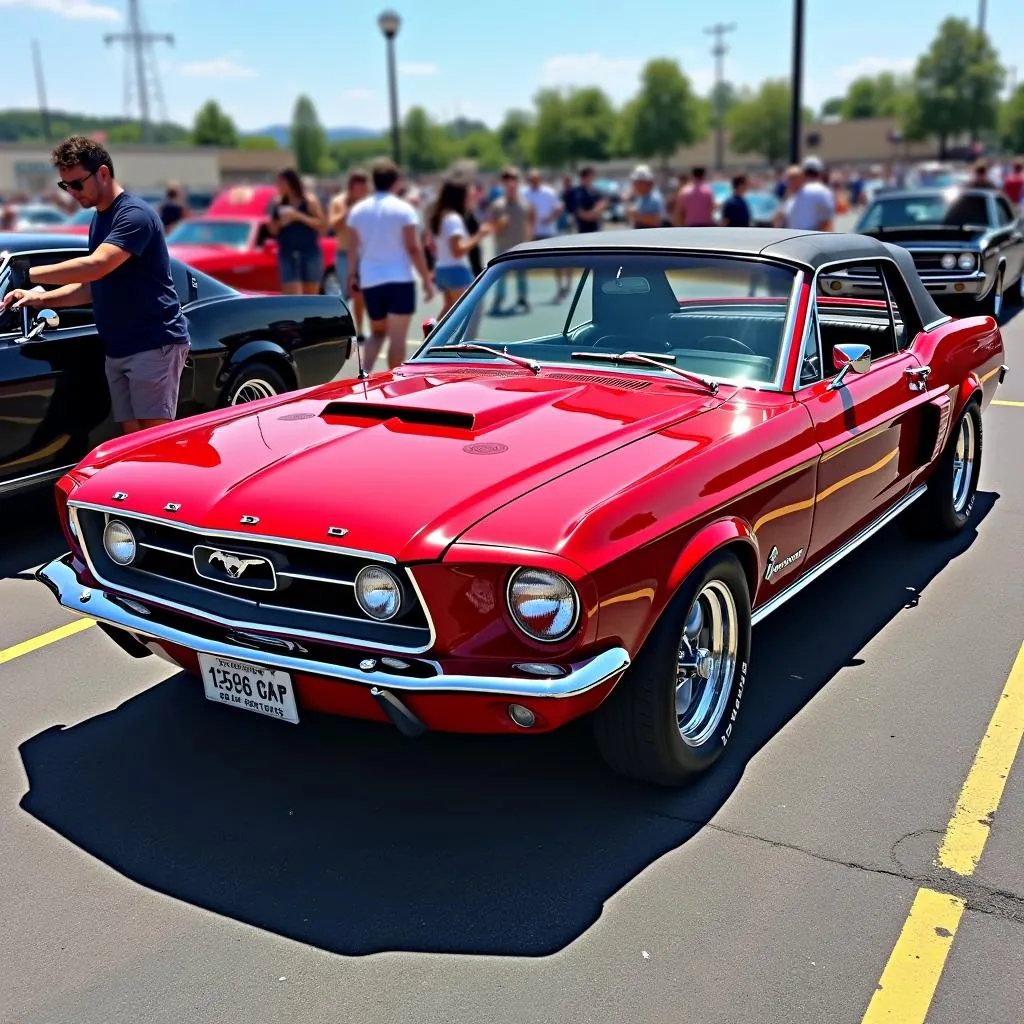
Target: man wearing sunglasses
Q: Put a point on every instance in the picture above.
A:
(127, 278)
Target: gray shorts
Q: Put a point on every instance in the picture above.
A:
(144, 386)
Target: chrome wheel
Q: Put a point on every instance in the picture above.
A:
(252, 390)
(963, 464)
(706, 663)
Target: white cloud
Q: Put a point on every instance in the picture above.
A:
(417, 69)
(868, 66)
(357, 94)
(80, 10)
(616, 75)
(216, 67)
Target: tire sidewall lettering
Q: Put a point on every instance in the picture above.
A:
(741, 682)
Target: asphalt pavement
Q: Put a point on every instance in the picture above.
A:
(167, 860)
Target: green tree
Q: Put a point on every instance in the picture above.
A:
(484, 149)
(1011, 121)
(590, 125)
(727, 92)
(666, 113)
(833, 106)
(956, 85)
(882, 95)
(213, 127)
(515, 136)
(309, 143)
(424, 144)
(550, 143)
(258, 142)
(759, 122)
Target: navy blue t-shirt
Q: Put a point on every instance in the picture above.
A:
(585, 199)
(136, 306)
(736, 212)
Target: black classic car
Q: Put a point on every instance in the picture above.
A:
(967, 245)
(54, 401)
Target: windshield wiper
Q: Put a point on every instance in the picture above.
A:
(463, 346)
(662, 362)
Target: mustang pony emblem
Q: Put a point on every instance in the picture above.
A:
(233, 565)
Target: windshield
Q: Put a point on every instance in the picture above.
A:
(941, 209)
(83, 217)
(713, 316)
(234, 234)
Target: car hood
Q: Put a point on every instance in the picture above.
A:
(940, 235)
(404, 463)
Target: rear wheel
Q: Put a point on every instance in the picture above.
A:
(672, 714)
(251, 382)
(946, 506)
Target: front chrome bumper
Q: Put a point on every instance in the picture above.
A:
(580, 677)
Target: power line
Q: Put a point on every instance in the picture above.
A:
(718, 51)
(138, 50)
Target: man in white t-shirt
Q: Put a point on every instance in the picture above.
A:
(547, 207)
(383, 249)
(812, 207)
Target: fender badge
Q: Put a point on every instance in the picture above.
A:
(119, 495)
(336, 531)
(249, 520)
(172, 506)
(773, 568)
(368, 664)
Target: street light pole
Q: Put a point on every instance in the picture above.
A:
(389, 23)
(796, 104)
(719, 50)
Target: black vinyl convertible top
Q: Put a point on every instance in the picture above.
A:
(811, 250)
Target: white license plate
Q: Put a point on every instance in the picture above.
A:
(241, 684)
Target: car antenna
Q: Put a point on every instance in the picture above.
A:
(363, 375)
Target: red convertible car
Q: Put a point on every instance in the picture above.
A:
(231, 242)
(579, 510)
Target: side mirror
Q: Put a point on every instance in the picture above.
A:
(270, 245)
(43, 319)
(849, 359)
(428, 325)
(48, 318)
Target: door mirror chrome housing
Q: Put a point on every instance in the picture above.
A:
(849, 359)
(48, 318)
(43, 319)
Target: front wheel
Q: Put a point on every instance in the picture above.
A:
(251, 382)
(944, 509)
(671, 716)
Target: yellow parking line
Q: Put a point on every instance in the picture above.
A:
(44, 639)
(910, 977)
(912, 974)
(1001, 401)
(971, 823)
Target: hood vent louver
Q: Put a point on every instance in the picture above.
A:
(380, 413)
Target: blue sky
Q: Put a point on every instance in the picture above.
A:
(471, 58)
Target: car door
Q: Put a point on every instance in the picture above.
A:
(54, 402)
(867, 424)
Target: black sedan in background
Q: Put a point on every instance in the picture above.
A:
(54, 401)
(967, 244)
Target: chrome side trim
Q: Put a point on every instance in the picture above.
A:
(18, 482)
(59, 577)
(252, 538)
(837, 556)
(191, 610)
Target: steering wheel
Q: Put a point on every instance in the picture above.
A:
(742, 346)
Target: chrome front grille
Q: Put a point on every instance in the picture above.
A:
(247, 582)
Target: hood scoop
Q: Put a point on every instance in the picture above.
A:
(388, 411)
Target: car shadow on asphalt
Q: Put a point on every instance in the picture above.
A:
(348, 837)
(31, 524)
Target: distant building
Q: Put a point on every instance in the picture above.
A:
(26, 167)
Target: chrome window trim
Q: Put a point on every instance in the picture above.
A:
(17, 482)
(332, 638)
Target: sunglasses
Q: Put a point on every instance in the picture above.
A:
(76, 184)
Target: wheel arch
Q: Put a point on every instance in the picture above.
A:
(263, 351)
(728, 534)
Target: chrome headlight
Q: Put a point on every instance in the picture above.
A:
(544, 605)
(948, 261)
(966, 261)
(119, 542)
(378, 592)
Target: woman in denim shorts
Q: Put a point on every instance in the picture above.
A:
(452, 272)
(297, 220)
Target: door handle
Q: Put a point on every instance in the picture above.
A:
(917, 377)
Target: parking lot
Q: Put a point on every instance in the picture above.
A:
(168, 860)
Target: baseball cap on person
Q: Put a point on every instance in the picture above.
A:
(813, 165)
(642, 173)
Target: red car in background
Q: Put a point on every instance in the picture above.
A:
(232, 242)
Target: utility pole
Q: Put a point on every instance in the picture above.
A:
(138, 43)
(719, 50)
(982, 5)
(796, 97)
(44, 111)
